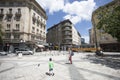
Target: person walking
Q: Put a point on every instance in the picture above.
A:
(70, 55)
(51, 66)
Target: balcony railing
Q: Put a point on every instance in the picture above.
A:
(9, 14)
(7, 30)
(18, 14)
(67, 34)
(16, 30)
(67, 37)
(67, 28)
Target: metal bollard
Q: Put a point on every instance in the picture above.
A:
(19, 55)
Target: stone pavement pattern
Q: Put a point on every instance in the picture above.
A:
(26, 68)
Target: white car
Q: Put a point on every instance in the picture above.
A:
(24, 51)
(2, 53)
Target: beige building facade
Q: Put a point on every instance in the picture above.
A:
(22, 21)
(99, 37)
(63, 34)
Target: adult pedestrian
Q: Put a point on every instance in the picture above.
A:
(70, 55)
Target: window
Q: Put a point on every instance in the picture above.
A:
(9, 15)
(33, 30)
(8, 26)
(7, 35)
(1, 11)
(11, 3)
(2, 3)
(37, 30)
(16, 36)
(1, 14)
(38, 21)
(18, 15)
(17, 26)
(34, 18)
(10, 11)
(32, 37)
(19, 10)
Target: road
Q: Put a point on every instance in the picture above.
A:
(13, 67)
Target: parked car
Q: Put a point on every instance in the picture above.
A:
(2, 53)
(24, 51)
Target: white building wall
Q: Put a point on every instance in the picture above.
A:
(75, 36)
(25, 22)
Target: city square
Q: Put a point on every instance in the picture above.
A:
(59, 39)
(86, 66)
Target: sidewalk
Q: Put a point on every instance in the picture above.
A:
(6, 67)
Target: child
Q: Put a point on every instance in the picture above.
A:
(51, 65)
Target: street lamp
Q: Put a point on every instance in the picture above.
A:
(59, 38)
(98, 52)
(95, 38)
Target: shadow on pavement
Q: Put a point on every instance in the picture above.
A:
(109, 60)
(98, 73)
(112, 55)
(74, 73)
(6, 69)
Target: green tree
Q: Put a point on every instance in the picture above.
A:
(110, 22)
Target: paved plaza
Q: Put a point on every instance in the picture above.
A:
(86, 66)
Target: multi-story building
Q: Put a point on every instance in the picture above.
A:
(99, 37)
(82, 41)
(22, 21)
(63, 34)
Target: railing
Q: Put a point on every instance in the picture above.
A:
(84, 49)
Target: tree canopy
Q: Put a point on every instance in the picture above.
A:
(110, 22)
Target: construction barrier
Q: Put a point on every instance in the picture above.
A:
(84, 49)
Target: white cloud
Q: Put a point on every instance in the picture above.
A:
(79, 10)
(75, 11)
(86, 38)
(74, 19)
(52, 5)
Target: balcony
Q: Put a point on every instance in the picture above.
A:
(34, 19)
(67, 29)
(9, 14)
(67, 37)
(7, 30)
(18, 14)
(67, 33)
(16, 30)
(67, 24)
(38, 22)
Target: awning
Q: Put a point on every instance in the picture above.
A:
(40, 46)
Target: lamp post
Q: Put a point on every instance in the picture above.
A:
(95, 38)
(59, 38)
(98, 51)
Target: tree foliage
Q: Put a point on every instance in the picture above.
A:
(110, 22)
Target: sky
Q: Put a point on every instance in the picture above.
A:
(78, 11)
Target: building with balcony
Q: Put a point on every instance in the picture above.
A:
(63, 34)
(22, 21)
(98, 37)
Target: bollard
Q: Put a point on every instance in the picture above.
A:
(19, 55)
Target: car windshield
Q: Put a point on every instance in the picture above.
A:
(1, 50)
(23, 50)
